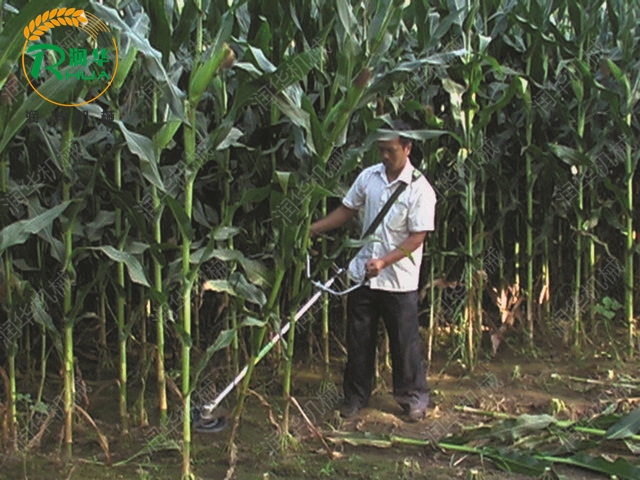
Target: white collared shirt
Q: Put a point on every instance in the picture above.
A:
(413, 211)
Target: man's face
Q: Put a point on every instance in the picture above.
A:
(394, 155)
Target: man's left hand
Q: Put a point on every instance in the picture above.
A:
(374, 267)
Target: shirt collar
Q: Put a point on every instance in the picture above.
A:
(406, 175)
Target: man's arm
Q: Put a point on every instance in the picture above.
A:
(334, 220)
(411, 243)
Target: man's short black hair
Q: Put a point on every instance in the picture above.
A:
(402, 126)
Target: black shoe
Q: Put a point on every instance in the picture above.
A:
(416, 414)
(349, 409)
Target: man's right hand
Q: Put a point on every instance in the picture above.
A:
(334, 220)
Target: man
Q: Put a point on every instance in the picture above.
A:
(392, 264)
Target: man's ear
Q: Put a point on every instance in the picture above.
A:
(408, 148)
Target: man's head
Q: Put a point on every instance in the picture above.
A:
(395, 149)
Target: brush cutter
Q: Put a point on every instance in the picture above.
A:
(204, 418)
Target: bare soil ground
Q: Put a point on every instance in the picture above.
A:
(510, 383)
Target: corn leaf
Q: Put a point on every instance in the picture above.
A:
(256, 271)
(516, 462)
(133, 33)
(347, 18)
(185, 338)
(51, 88)
(568, 155)
(634, 447)
(296, 68)
(142, 147)
(621, 468)
(261, 59)
(20, 231)
(628, 426)
(237, 286)
(231, 139)
(246, 290)
(250, 321)
(529, 423)
(223, 340)
(160, 35)
(225, 233)
(42, 317)
(184, 224)
(134, 267)
(420, 135)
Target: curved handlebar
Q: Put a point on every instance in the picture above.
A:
(326, 288)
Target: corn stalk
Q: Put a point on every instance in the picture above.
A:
(160, 141)
(200, 78)
(68, 272)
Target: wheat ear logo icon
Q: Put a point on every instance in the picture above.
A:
(54, 18)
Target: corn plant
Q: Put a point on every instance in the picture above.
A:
(472, 77)
(623, 101)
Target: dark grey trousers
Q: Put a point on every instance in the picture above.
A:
(399, 310)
